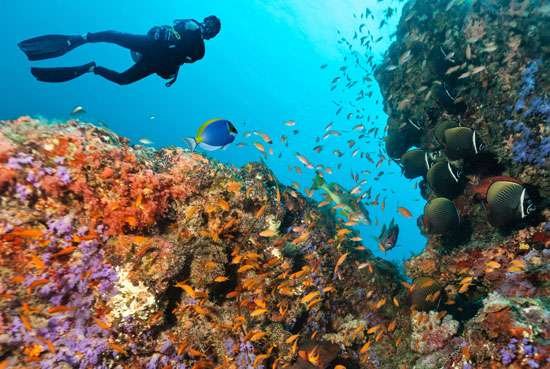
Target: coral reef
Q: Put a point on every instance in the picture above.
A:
(484, 66)
(117, 256)
(430, 331)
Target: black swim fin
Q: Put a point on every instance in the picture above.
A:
(61, 74)
(50, 46)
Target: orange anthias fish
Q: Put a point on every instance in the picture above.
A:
(405, 212)
(260, 147)
(27, 233)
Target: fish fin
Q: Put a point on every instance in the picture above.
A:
(204, 125)
(191, 142)
(208, 147)
(383, 232)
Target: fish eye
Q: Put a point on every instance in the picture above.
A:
(232, 128)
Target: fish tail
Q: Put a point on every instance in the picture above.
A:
(191, 142)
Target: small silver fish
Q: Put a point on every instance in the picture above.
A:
(477, 70)
(304, 161)
(145, 141)
(77, 110)
(405, 57)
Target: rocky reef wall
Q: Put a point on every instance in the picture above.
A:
(118, 256)
(466, 87)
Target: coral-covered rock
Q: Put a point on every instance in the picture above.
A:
(119, 256)
(431, 331)
(482, 66)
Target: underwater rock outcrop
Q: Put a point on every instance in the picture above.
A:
(118, 256)
(467, 82)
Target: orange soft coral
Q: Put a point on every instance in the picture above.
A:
(6, 148)
(7, 175)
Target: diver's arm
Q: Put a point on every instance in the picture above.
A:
(174, 79)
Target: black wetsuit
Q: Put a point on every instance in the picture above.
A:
(162, 51)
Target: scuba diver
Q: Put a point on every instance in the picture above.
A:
(162, 51)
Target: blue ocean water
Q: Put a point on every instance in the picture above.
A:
(260, 71)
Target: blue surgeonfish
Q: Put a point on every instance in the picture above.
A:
(213, 135)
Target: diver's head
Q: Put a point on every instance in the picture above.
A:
(211, 26)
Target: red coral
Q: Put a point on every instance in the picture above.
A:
(51, 185)
(6, 148)
(542, 237)
(6, 176)
(107, 173)
(498, 322)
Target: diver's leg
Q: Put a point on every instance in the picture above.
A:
(134, 73)
(139, 43)
(50, 46)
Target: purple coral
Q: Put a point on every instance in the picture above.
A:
(245, 357)
(538, 105)
(61, 226)
(33, 179)
(63, 175)
(530, 145)
(526, 149)
(167, 355)
(527, 83)
(76, 332)
(229, 345)
(22, 192)
(79, 341)
(153, 361)
(523, 349)
(506, 357)
(17, 162)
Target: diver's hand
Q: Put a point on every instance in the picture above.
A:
(172, 81)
